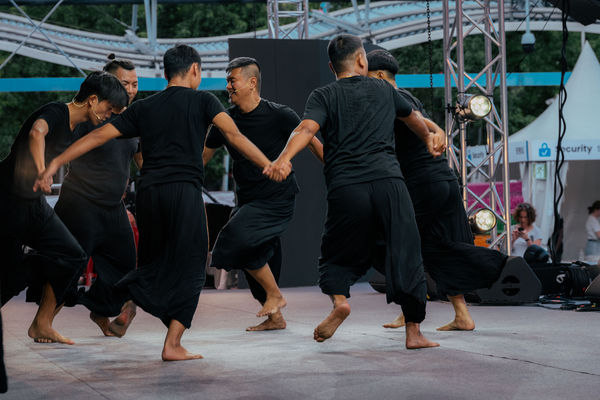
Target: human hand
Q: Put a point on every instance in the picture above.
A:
(44, 180)
(278, 170)
(435, 146)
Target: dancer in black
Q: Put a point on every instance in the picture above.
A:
(449, 255)
(57, 260)
(251, 239)
(366, 197)
(172, 125)
(90, 206)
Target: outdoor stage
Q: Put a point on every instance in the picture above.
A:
(525, 352)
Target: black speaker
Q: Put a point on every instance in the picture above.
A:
(517, 284)
(553, 277)
(593, 290)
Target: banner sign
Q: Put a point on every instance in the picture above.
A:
(545, 150)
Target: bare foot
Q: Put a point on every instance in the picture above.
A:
(118, 327)
(329, 325)
(415, 339)
(273, 322)
(46, 334)
(272, 306)
(397, 323)
(459, 324)
(102, 322)
(178, 354)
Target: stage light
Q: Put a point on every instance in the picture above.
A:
(474, 107)
(482, 220)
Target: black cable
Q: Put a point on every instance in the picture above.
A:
(562, 129)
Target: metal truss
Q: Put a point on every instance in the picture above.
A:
(278, 10)
(458, 24)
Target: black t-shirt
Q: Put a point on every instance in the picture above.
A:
(18, 169)
(172, 125)
(268, 126)
(101, 175)
(356, 116)
(418, 166)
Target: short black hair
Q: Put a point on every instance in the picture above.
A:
(381, 59)
(178, 60)
(340, 48)
(115, 63)
(105, 86)
(242, 62)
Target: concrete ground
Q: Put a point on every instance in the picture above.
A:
(525, 352)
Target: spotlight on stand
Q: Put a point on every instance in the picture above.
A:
(482, 220)
(474, 107)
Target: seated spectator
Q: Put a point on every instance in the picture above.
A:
(592, 229)
(524, 233)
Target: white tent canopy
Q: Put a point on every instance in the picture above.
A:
(535, 148)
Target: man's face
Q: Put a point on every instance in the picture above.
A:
(372, 74)
(100, 111)
(238, 86)
(129, 79)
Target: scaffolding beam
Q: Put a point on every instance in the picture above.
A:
(458, 24)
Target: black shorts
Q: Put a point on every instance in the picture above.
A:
(172, 252)
(449, 255)
(56, 257)
(251, 236)
(106, 236)
(361, 216)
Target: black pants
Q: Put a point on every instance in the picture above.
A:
(56, 258)
(453, 261)
(358, 217)
(172, 252)
(251, 239)
(105, 235)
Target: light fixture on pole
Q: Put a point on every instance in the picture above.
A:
(473, 107)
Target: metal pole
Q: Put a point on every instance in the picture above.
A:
(504, 111)
(447, 40)
(134, 18)
(490, 129)
(460, 85)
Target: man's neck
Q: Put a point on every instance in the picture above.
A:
(392, 82)
(77, 114)
(346, 74)
(249, 103)
(180, 81)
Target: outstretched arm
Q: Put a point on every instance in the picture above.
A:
(417, 124)
(240, 142)
(299, 139)
(94, 139)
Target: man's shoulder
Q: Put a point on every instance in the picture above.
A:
(278, 108)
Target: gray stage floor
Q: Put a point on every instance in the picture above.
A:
(525, 352)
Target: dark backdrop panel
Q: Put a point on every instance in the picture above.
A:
(291, 69)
